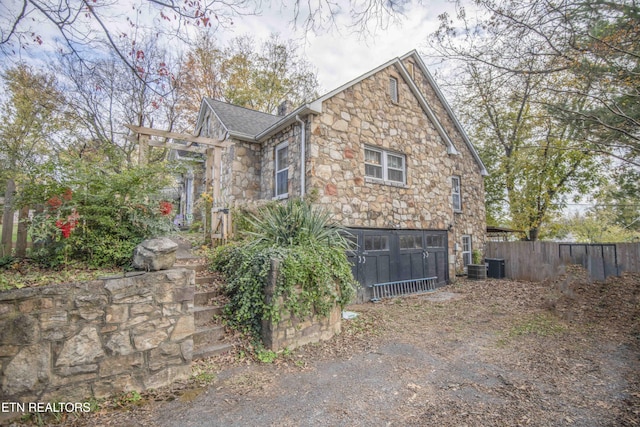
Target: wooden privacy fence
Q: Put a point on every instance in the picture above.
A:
(537, 261)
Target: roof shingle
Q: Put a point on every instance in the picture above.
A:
(240, 119)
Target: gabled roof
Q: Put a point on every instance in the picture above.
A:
(251, 125)
(240, 121)
(447, 107)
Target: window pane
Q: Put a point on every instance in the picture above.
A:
(373, 171)
(435, 242)
(281, 158)
(410, 242)
(395, 175)
(373, 157)
(281, 182)
(395, 162)
(455, 190)
(406, 242)
(466, 244)
(376, 243)
(457, 205)
(393, 89)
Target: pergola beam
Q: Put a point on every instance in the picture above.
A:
(190, 139)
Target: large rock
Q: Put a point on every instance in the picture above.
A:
(155, 254)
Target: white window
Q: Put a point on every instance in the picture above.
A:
(456, 194)
(466, 251)
(384, 165)
(393, 89)
(282, 171)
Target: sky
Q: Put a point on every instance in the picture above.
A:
(341, 55)
(338, 54)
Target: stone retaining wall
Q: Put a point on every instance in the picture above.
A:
(291, 331)
(73, 341)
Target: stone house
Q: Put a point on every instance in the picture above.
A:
(383, 153)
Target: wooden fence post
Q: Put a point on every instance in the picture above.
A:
(21, 238)
(6, 244)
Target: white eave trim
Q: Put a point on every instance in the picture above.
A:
(436, 88)
(314, 107)
(451, 148)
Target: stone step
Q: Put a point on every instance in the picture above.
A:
(194, 267)
(203, 298)
(212, 350)
(203, 315)
(207, 335)
(205, 279)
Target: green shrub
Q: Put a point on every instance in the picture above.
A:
(295, 222)
(97, 217)
(313, 275)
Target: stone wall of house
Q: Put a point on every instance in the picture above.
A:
(291, 135)
(291, 331)
(471, 221)
(364, 114)
(240, 174)
(73, 341)
(240, 178)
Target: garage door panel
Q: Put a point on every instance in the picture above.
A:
(376, 268)
(386, 256)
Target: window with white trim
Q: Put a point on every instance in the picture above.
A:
(411, 69)
(282, 171)
(384, 165)
(393, 89)
(456, 193)
(466, 251)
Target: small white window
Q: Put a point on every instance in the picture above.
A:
(466, 251)
(393, 89)
(282, 171)
(384, 165)
(456, 194)
(411, 69)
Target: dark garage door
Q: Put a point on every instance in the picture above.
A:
(384, 256)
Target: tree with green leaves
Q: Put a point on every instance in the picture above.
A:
(595, 41)
(261, 79)
(32, 117)
(532, 81)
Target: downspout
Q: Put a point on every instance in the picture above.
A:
(303, 172)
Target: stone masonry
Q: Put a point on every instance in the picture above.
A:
(292, 331)
(73, 341)
(364, 115)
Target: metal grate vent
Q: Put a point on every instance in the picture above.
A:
(402, 288)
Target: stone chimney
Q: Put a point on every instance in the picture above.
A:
(283, 108)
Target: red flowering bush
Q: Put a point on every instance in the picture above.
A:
(99, 218)
(54, 203)
(165, 208)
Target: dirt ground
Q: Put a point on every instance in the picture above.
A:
(476, 353)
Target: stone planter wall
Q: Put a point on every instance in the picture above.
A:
(73, 341)
(291, 332)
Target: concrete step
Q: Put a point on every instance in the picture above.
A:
(207, 335)
(204, 314)
(212, 350)
(203, 298)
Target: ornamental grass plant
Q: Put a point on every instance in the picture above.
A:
(313, 272)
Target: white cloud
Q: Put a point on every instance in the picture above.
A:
(341, 55)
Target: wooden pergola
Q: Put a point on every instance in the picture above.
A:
(212, 149)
